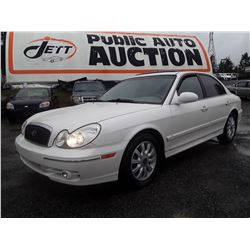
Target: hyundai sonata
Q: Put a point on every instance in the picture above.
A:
(125, 134)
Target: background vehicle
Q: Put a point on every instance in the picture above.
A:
(241, 88)
(29, 101)
(224, 76)
(4, 100)
(87, 91)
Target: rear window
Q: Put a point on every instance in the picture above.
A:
(88, 86)
(212, 87)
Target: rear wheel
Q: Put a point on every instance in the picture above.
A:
(229, 130)
(140, 161)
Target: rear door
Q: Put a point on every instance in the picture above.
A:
(189, 121)
(218, 102)
(242, 88)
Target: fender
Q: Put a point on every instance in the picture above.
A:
(132, 133)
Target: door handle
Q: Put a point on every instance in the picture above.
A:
(204, 108)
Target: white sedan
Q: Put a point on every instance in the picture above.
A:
(124, 135)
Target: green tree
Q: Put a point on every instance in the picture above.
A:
(244, 61)
(226, 66)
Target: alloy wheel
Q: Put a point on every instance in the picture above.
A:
(143, 160)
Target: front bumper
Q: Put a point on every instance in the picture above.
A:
(72, 166)
(83, 99)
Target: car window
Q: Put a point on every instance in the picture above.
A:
(150, 89)
(242, 84)
(32, 92)
(212, 87)
(191, 84)
(88, 86)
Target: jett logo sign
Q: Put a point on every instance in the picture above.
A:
(50, 49)
(106, 55)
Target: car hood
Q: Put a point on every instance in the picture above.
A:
(71, 118)
(27, 101)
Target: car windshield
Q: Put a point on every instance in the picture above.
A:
(88, 86)
(150, 89)
(32, 92)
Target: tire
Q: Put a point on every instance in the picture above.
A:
(12, 119)
(229, 130)
(140, 161)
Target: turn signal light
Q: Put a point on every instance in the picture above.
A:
(108, 156)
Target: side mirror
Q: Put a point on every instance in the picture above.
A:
(186, 97)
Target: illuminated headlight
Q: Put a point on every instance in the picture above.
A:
(23, 127)
(79, 137)
(76, 99)
(44, 104)
(9, 106)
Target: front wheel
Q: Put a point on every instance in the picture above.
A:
(229, 130)
(140, 161)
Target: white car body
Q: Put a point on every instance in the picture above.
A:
(180, 126)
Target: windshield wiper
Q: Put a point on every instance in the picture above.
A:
(121, 100)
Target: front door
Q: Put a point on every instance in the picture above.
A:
(189, 121)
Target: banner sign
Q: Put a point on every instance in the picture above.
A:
(40, 56)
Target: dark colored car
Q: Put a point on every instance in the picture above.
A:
(87, 91)
(4, 101)
(29, 101)
(241, 88)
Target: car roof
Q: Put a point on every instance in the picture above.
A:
(36, 85)
(170, 73)
(36, 88)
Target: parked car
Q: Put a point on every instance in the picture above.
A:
(87, 91)
(241, 88)
(6, 86)
(125, 134)
(225, 76)
(29, 101)
(4, 100)
(68, 85)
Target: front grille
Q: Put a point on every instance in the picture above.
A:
(88, 98)
(26, 107)
(37, 134)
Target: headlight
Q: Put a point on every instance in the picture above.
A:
(76, 99)
(23, 127)
(9, 106)
(79, 137)
(44, 104)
